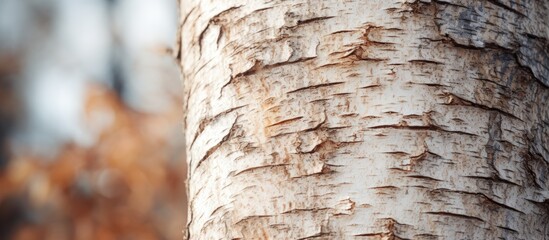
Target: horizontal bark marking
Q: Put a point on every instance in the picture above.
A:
(427, 236)
(301, 210)
(310, 129)
(493, 179)
(371, 86)
(425, 61)
(422, 128)
(252, 169)
(320, 235)
(312, 87)
(259, 66)
(385, 187)
(508, 229)
(285, 121)
(424, 178)
(510, 9)
(311, 20)
(376, 234)
(455, 215)
(252, 217)
(483, 196)
(456, 100)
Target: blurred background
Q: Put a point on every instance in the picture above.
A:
(91, 143)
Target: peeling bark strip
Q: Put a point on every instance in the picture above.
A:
(367, 119)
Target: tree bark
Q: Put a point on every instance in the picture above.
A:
(366, 119)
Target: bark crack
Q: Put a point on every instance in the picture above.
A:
(455, 215)
(217, 145)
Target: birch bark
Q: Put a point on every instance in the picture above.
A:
(401, 119)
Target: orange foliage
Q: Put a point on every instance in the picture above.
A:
(128, 185)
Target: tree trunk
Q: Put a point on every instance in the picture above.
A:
(367, 119)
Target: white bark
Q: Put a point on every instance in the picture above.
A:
(367, 119)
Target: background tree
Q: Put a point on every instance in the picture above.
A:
(367, 119)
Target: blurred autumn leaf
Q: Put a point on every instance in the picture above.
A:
(128, 185)
(91, 145)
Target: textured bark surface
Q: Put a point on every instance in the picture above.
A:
(367, 119)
